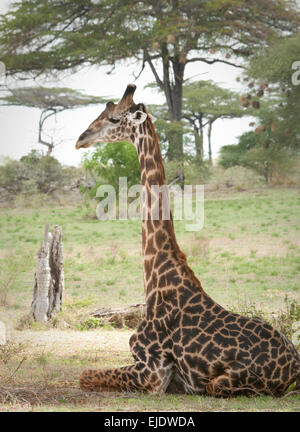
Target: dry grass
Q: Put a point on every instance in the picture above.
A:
(47, 380)
(246, 256)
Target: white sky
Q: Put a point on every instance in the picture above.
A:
(19, 126)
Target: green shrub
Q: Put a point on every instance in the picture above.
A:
(34, 173)
(271, 163)
(13, 175)
(196, 171)
(264, 155)
(230, 155)
(43, 171)
(110, 161)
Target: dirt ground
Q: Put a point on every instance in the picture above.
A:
(41, 369)
(66, 343)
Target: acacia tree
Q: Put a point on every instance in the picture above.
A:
(50, 101)
(205, 102)
(272, 146)
(276, 72)
(38, 36)
(279, 66)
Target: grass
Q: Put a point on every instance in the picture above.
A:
(247, 255)
(48, 381)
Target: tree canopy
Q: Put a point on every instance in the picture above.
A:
(57, 98)
(107, 162)
(51, 101)
(33, 173)
(275, 65)
(204, 102)
(42, 36)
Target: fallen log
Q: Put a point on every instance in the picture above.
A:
(128, 316)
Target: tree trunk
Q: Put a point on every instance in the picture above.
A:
(198, 135)
(49, 277)
(173, 94)
(210, 123)
(171, 84)
(45, 114)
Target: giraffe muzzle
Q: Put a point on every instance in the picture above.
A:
(81, 145)
(83, 140)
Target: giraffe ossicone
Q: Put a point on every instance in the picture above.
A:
(186, 342)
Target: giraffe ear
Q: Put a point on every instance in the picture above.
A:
(138, 117)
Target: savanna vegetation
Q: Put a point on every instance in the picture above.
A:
(247, 255)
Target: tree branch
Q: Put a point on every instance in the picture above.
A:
(152, 67)
(211, 61)
(142, 68)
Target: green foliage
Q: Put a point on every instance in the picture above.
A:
(10, 269)
(54, 98)
(13, 175)
(236, 178)
(269, 162)
(45, 171)
(260, 153)
(33, 173)
(236, 223)
(90, 323)
(196, 171)
(274, 65)
(210, 100)
(110, 161)
(203, 102)
(168, 133)
(230, 155)
(165, 35)
(273, 150)
(158, 27)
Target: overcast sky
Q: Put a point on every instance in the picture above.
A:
(19, 126)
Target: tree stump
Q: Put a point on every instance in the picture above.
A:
(49, 276)
(128, 316)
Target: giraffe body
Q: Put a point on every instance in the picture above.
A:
(187, 342)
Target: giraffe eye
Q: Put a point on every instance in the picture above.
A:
(114, 120)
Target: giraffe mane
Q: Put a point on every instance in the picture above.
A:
(181, 255)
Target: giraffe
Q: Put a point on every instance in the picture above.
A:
(186, 343)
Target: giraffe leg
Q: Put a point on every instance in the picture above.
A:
(231, 383)
(127, 378)
(219, 386)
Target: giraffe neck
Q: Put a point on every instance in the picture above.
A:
(159, 243)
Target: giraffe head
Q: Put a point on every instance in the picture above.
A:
(116, 123)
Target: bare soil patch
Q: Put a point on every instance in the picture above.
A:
(66, 342)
